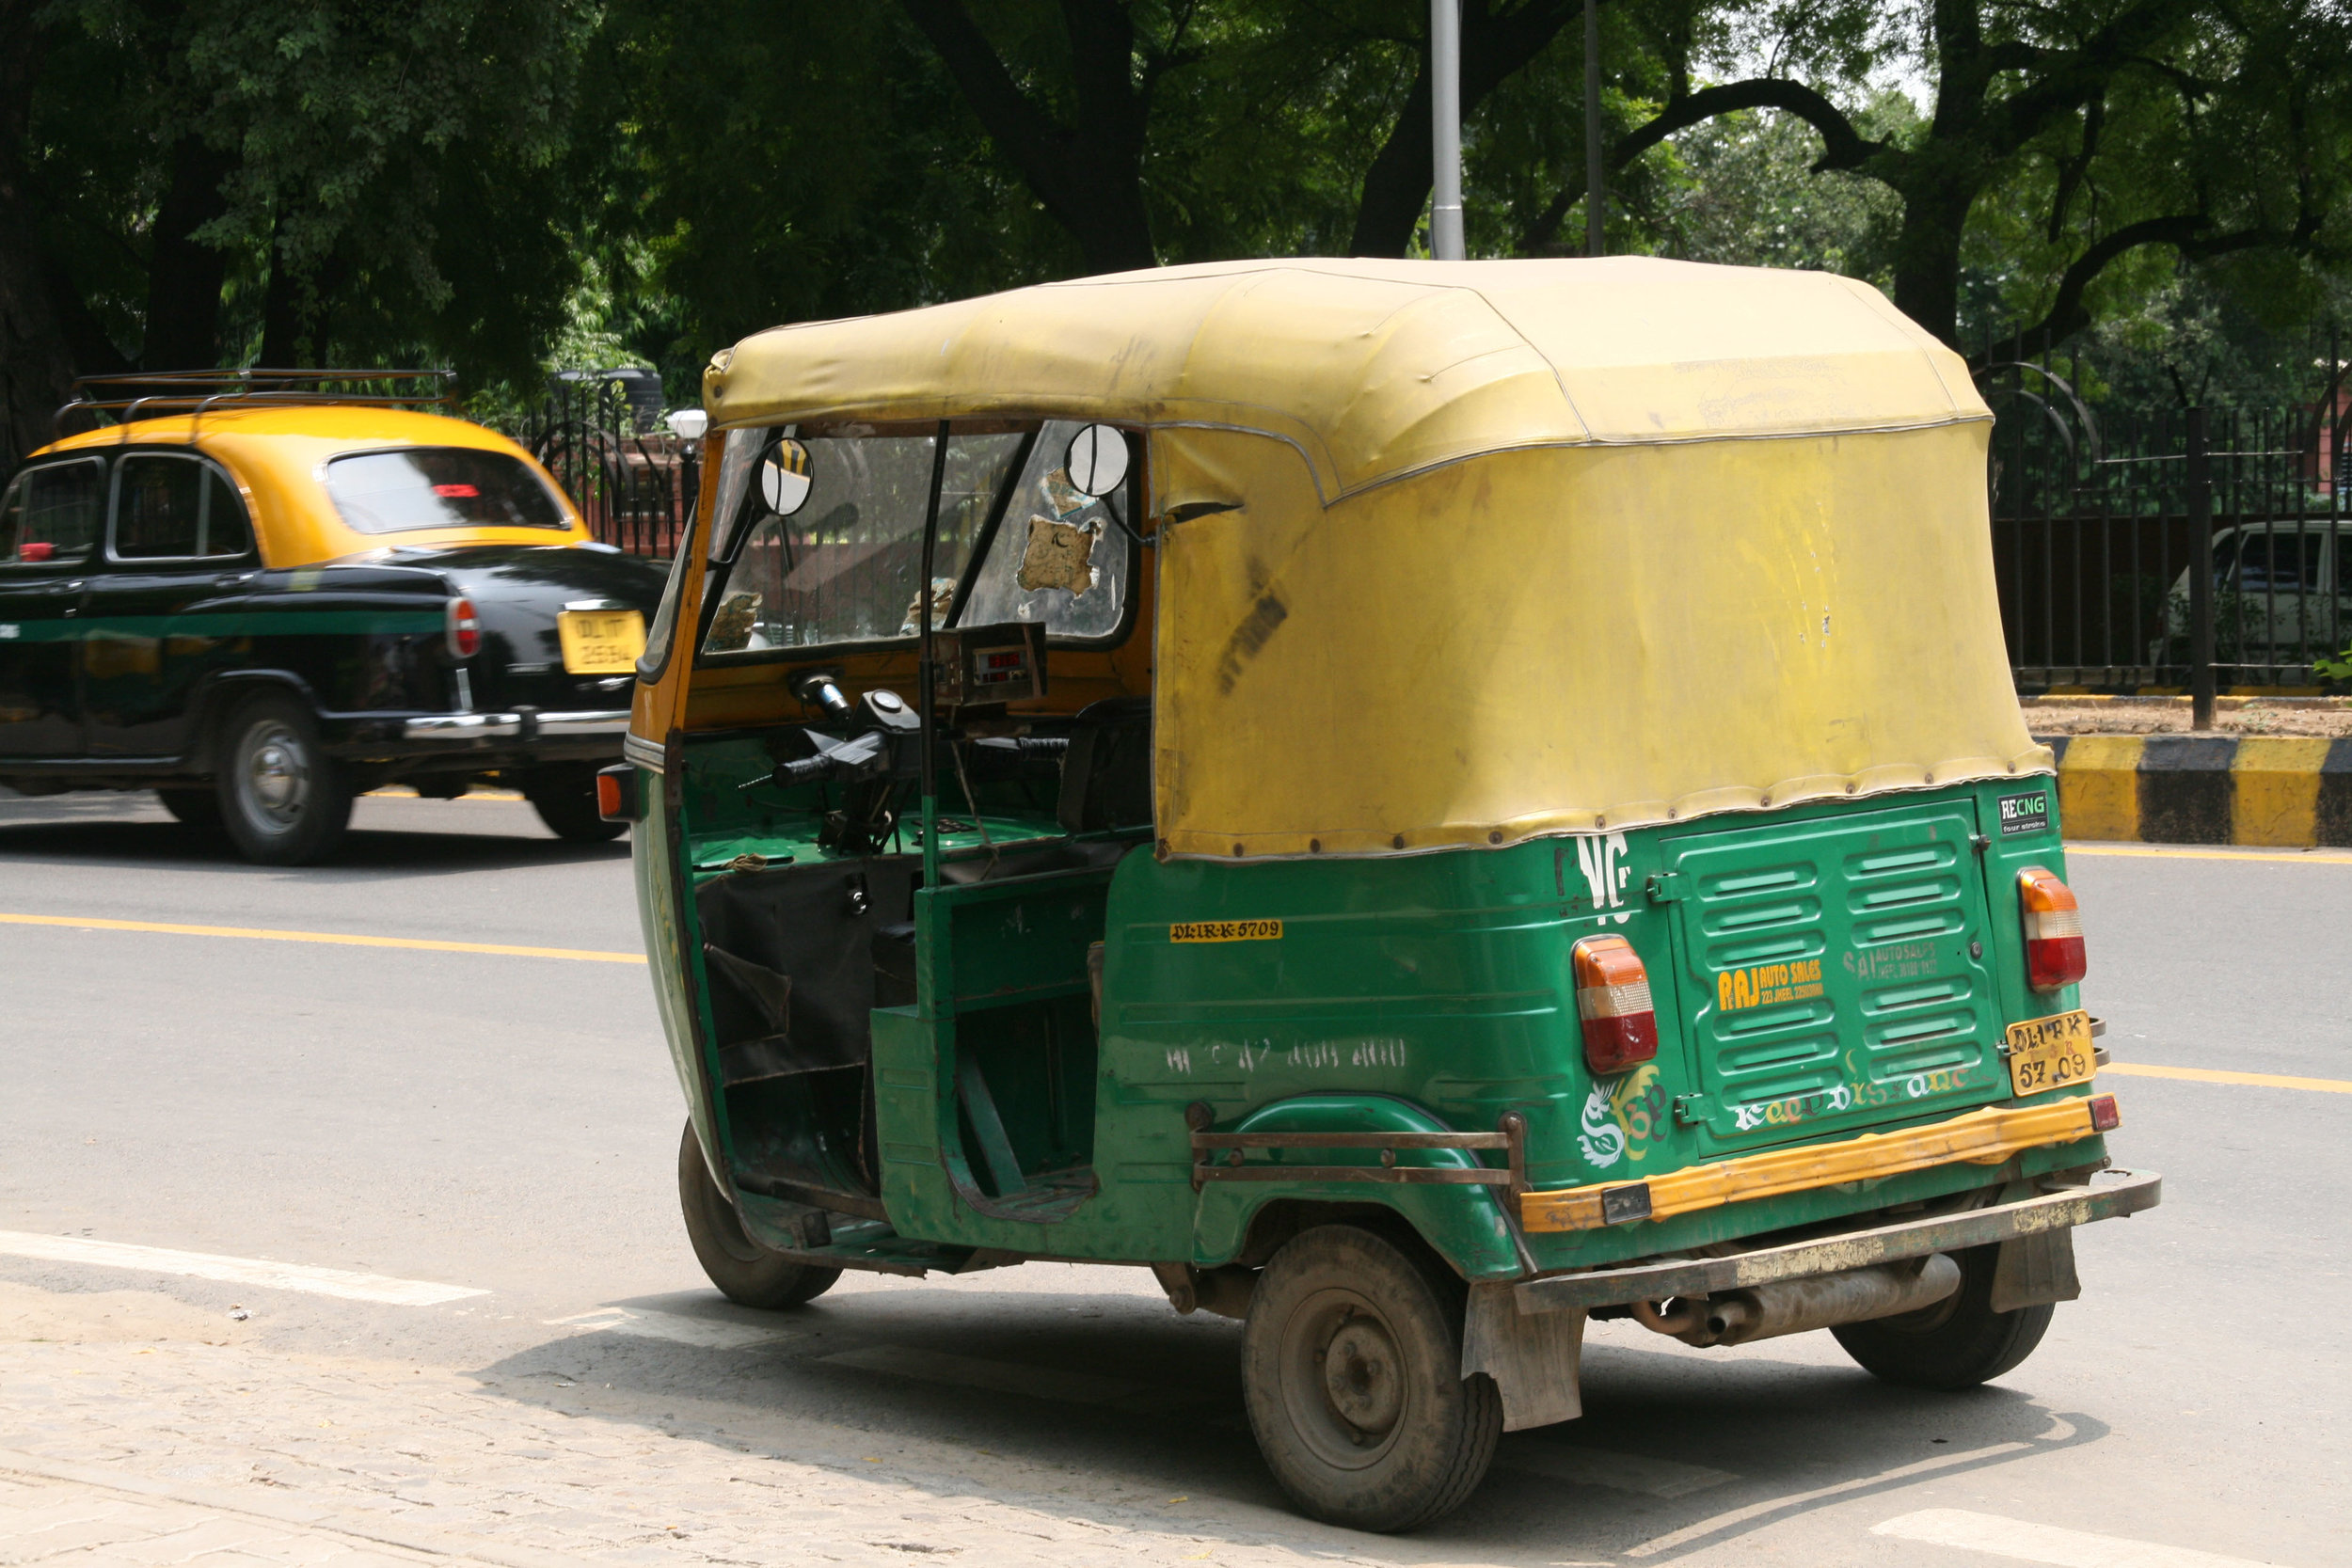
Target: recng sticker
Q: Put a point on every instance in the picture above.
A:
(1225, 930)
(2025, 813)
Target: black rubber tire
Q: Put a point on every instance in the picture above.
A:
(566, 800)
(283, 800)
(1394, 1436)
(1957, 1343)
(743, 1269)
(196, 805)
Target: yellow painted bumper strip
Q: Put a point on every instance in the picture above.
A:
(1984, 1136)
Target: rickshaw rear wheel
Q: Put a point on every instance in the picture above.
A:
(1957, 1343)
(744, 1271)
(1352, 1371)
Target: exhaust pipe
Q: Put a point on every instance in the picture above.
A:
(1798, 1305)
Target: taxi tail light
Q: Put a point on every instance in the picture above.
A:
(2105, 1118)
(463, 627)
(2054, 930)
(1612, 1002)
(616, 793)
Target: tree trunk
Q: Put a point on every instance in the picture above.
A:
(1089, 178)
(1926, 249)
(36, 370)
(184, 274)
(1397, 186)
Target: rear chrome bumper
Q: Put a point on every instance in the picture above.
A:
(525, 725)
(2122, 1193)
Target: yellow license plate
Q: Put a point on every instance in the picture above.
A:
(2049, 1053)
(601, 641)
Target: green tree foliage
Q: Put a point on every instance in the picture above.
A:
(197, 182)
(194, 181)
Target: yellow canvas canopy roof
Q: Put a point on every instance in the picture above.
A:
(1512, 547)
(1376, 369)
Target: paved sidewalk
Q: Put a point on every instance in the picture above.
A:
(225, 1454)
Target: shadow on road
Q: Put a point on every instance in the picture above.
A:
(1674, 1453)
(389, 838)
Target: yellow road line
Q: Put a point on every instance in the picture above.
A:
(2210, 1075)
(2308, 858)
(336, 939)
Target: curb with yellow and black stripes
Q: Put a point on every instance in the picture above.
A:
(2204, 789)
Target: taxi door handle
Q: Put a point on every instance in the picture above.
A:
(72, 610)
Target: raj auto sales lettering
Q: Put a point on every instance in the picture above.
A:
(1756, 987)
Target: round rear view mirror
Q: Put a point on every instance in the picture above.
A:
(785, 477)
(1097, 463)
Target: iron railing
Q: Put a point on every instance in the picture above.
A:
(633, 481)
(2098, 523)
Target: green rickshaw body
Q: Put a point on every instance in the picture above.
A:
(1442, 631)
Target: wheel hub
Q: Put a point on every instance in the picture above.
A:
(278, 774)
(1360, 1377)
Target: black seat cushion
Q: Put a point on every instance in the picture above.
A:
(1107, 777)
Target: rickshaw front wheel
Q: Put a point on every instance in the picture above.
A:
(1957, 1343)
(744, 1271)
(1352, 1371)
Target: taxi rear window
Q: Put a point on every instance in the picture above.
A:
(420, 488)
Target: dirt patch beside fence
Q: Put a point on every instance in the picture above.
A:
(2318, 717)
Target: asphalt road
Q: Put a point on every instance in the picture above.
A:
(508, 1123)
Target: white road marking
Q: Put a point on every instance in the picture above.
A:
(679, 1329)
(233, 1270)
(2028, 1542)
(1005, 1377)
(1619, 1472)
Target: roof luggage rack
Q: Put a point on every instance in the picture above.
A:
(122, 399)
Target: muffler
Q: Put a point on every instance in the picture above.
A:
(1798, 1305)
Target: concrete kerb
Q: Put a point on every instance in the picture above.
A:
(2285, 792)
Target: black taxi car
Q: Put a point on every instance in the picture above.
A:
(259, 606)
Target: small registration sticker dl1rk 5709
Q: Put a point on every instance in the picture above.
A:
(1225, 930)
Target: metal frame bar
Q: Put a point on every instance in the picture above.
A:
(1510, 1136)
(1844, 1251)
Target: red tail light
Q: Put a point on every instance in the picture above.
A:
(2054, 930)
(464, 630)
(1612, 1001)
(612, 793)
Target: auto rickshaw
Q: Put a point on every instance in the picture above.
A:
(1424, 803)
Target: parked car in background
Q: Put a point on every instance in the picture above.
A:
(2280, 597)
(259, 604)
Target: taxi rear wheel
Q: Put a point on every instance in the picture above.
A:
(1352, 1371)
(566, 800)
(1957, 1343)
(283, 798)
(743, 1269)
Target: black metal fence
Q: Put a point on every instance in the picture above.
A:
(635, 480)
(2101, 525)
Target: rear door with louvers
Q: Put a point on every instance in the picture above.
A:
(1825, 975)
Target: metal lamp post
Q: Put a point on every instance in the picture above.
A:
(1445, 128)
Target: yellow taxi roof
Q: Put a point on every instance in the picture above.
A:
(1375, 368)
(275, 451)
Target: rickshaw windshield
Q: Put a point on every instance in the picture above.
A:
(844, 565)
